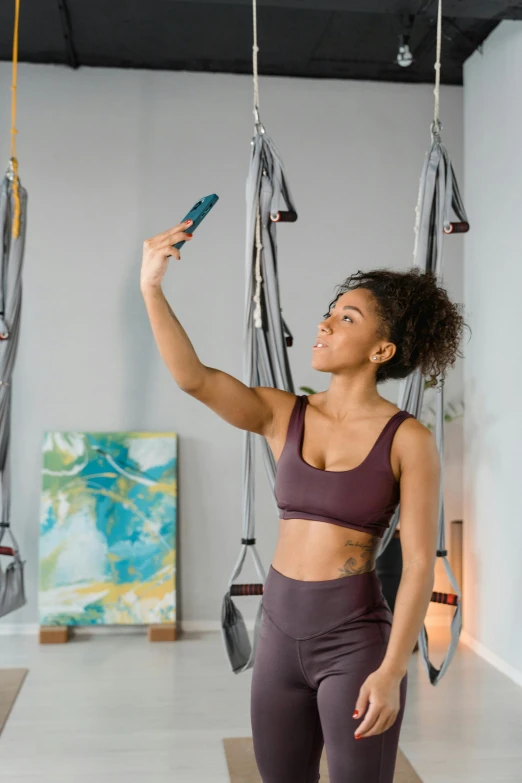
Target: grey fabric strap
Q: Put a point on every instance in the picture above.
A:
(438, 195)
(265, 363)
(12, 593)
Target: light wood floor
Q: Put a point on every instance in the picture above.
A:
(118, 709)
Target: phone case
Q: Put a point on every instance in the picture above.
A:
(198, 212)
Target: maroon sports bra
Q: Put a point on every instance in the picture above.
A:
(363, 498)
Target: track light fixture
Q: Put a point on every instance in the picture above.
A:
(404, 55)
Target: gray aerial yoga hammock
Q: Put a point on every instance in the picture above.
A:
(265, 362)
(13, 208)
(438, 195)
(13, 211)
(267, 337)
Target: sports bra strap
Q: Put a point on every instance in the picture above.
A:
(296, 417)
(391, 425)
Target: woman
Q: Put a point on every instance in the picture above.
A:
(331, 666)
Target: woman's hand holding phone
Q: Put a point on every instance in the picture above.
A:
(156, 252)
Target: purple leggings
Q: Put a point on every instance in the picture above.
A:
(318, 642)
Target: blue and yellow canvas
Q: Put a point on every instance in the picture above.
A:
(108, 528)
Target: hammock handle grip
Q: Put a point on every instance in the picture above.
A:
(249, 589)
(283, 216)
(459, 227)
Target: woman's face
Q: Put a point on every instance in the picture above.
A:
(349, 335)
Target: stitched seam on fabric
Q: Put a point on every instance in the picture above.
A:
(302, 665)
(278, 628)
(364, 611)
(378, 514)
(342, 622)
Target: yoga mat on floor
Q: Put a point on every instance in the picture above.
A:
(11, 681)
(242, 766)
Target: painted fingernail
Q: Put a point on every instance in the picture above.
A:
(355, 713)
(357, 736)
(188, 222)
(188, 235)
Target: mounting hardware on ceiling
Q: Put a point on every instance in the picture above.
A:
(404, 55)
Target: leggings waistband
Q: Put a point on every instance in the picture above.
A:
(303, 609)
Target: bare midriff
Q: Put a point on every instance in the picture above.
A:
(313, 550)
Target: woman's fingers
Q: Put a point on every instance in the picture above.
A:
(384, 720)
(179, 236)
(165, 236)
(369, 720)
(157, 251)
(171, 239)
(169, 248)
(153, 247)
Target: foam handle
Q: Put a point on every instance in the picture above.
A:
(284, 217)
(249, 589)
(457, 228)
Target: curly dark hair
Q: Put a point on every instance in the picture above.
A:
(417, 316)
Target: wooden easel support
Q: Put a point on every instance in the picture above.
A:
(162, 633)
(60, 634)
(54, 634)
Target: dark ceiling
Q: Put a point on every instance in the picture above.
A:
(341, 39)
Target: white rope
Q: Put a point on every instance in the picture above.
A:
(436, 114)
(435, 128)
(255, 50)
(258, 321)
(417, 224)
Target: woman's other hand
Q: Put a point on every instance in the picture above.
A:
(380, 692)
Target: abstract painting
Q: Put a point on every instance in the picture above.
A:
(107, 552)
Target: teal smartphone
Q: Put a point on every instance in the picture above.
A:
(198, 213)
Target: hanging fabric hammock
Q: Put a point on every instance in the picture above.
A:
(13, 206)
(265, 359)
(438, 196)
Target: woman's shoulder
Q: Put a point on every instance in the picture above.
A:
(414, 440)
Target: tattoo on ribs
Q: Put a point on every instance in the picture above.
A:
(355, 565)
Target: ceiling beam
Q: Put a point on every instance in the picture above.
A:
(463, 9)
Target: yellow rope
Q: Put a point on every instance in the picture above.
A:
(14, 161)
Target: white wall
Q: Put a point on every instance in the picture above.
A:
(110, 157)
(493, 372)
